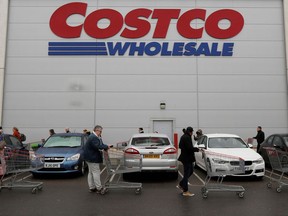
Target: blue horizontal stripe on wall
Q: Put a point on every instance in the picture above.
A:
(78, 48)
(78, 53)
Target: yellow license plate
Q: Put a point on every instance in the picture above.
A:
(152, 156)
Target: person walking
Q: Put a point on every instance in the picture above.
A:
(51, 132)
(187, 158)
(93, 157)
(260, 137)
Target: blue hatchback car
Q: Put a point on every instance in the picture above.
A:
(63, 154)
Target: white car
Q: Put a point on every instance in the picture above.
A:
(156, 150)
(233, 147)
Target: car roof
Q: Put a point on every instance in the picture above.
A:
(215, 135)
(68, 134)
(280, 134)
(149, 135)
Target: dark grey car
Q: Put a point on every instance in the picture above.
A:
(278, 141)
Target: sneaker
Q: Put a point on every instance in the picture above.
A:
(98, 191)
(92, 190)
(179, 187)
(187, 193)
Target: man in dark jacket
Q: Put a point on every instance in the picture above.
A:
(260, 137)
(187, 157)
(93, 157)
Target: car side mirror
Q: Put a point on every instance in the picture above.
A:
(250, 145)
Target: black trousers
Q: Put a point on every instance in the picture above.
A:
(188, 171)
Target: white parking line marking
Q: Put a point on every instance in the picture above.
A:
(203, 182)
(197, 176)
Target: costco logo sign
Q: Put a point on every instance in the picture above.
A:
(136, 24)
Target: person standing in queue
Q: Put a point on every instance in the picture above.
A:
(16, 133)
(187, 158)
(260, 137)
(199, 134)
(93, 157)
(141, 130)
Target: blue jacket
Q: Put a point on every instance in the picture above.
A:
(91, 150)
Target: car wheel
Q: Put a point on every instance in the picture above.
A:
(284, 161)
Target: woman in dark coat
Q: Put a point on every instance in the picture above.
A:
(187, 158)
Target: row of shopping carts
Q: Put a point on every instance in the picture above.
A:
(13, 163)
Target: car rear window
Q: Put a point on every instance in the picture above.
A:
(150, 141)
(226, 142)
(63, 141)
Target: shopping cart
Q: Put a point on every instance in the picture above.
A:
(219, 166)
(279, 163)
(14, 164)
(115, 167)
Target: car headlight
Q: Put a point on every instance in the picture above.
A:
(33, 156)
(258, 161)
(74, 157)
(219, 161)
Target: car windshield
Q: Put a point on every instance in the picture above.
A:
(150, 141)
(63, 141)
(226, 142)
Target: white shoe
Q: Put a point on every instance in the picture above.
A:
(187, 193)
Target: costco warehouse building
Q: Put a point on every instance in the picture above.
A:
(218, 65)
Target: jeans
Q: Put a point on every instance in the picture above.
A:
(94, 180)
(188, 171)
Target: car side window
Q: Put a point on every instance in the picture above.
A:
(15, 142)
(278, 142)
(269, 141)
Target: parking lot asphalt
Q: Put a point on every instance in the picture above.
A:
(69, 196)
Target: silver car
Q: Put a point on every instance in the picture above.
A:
(156, 150)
